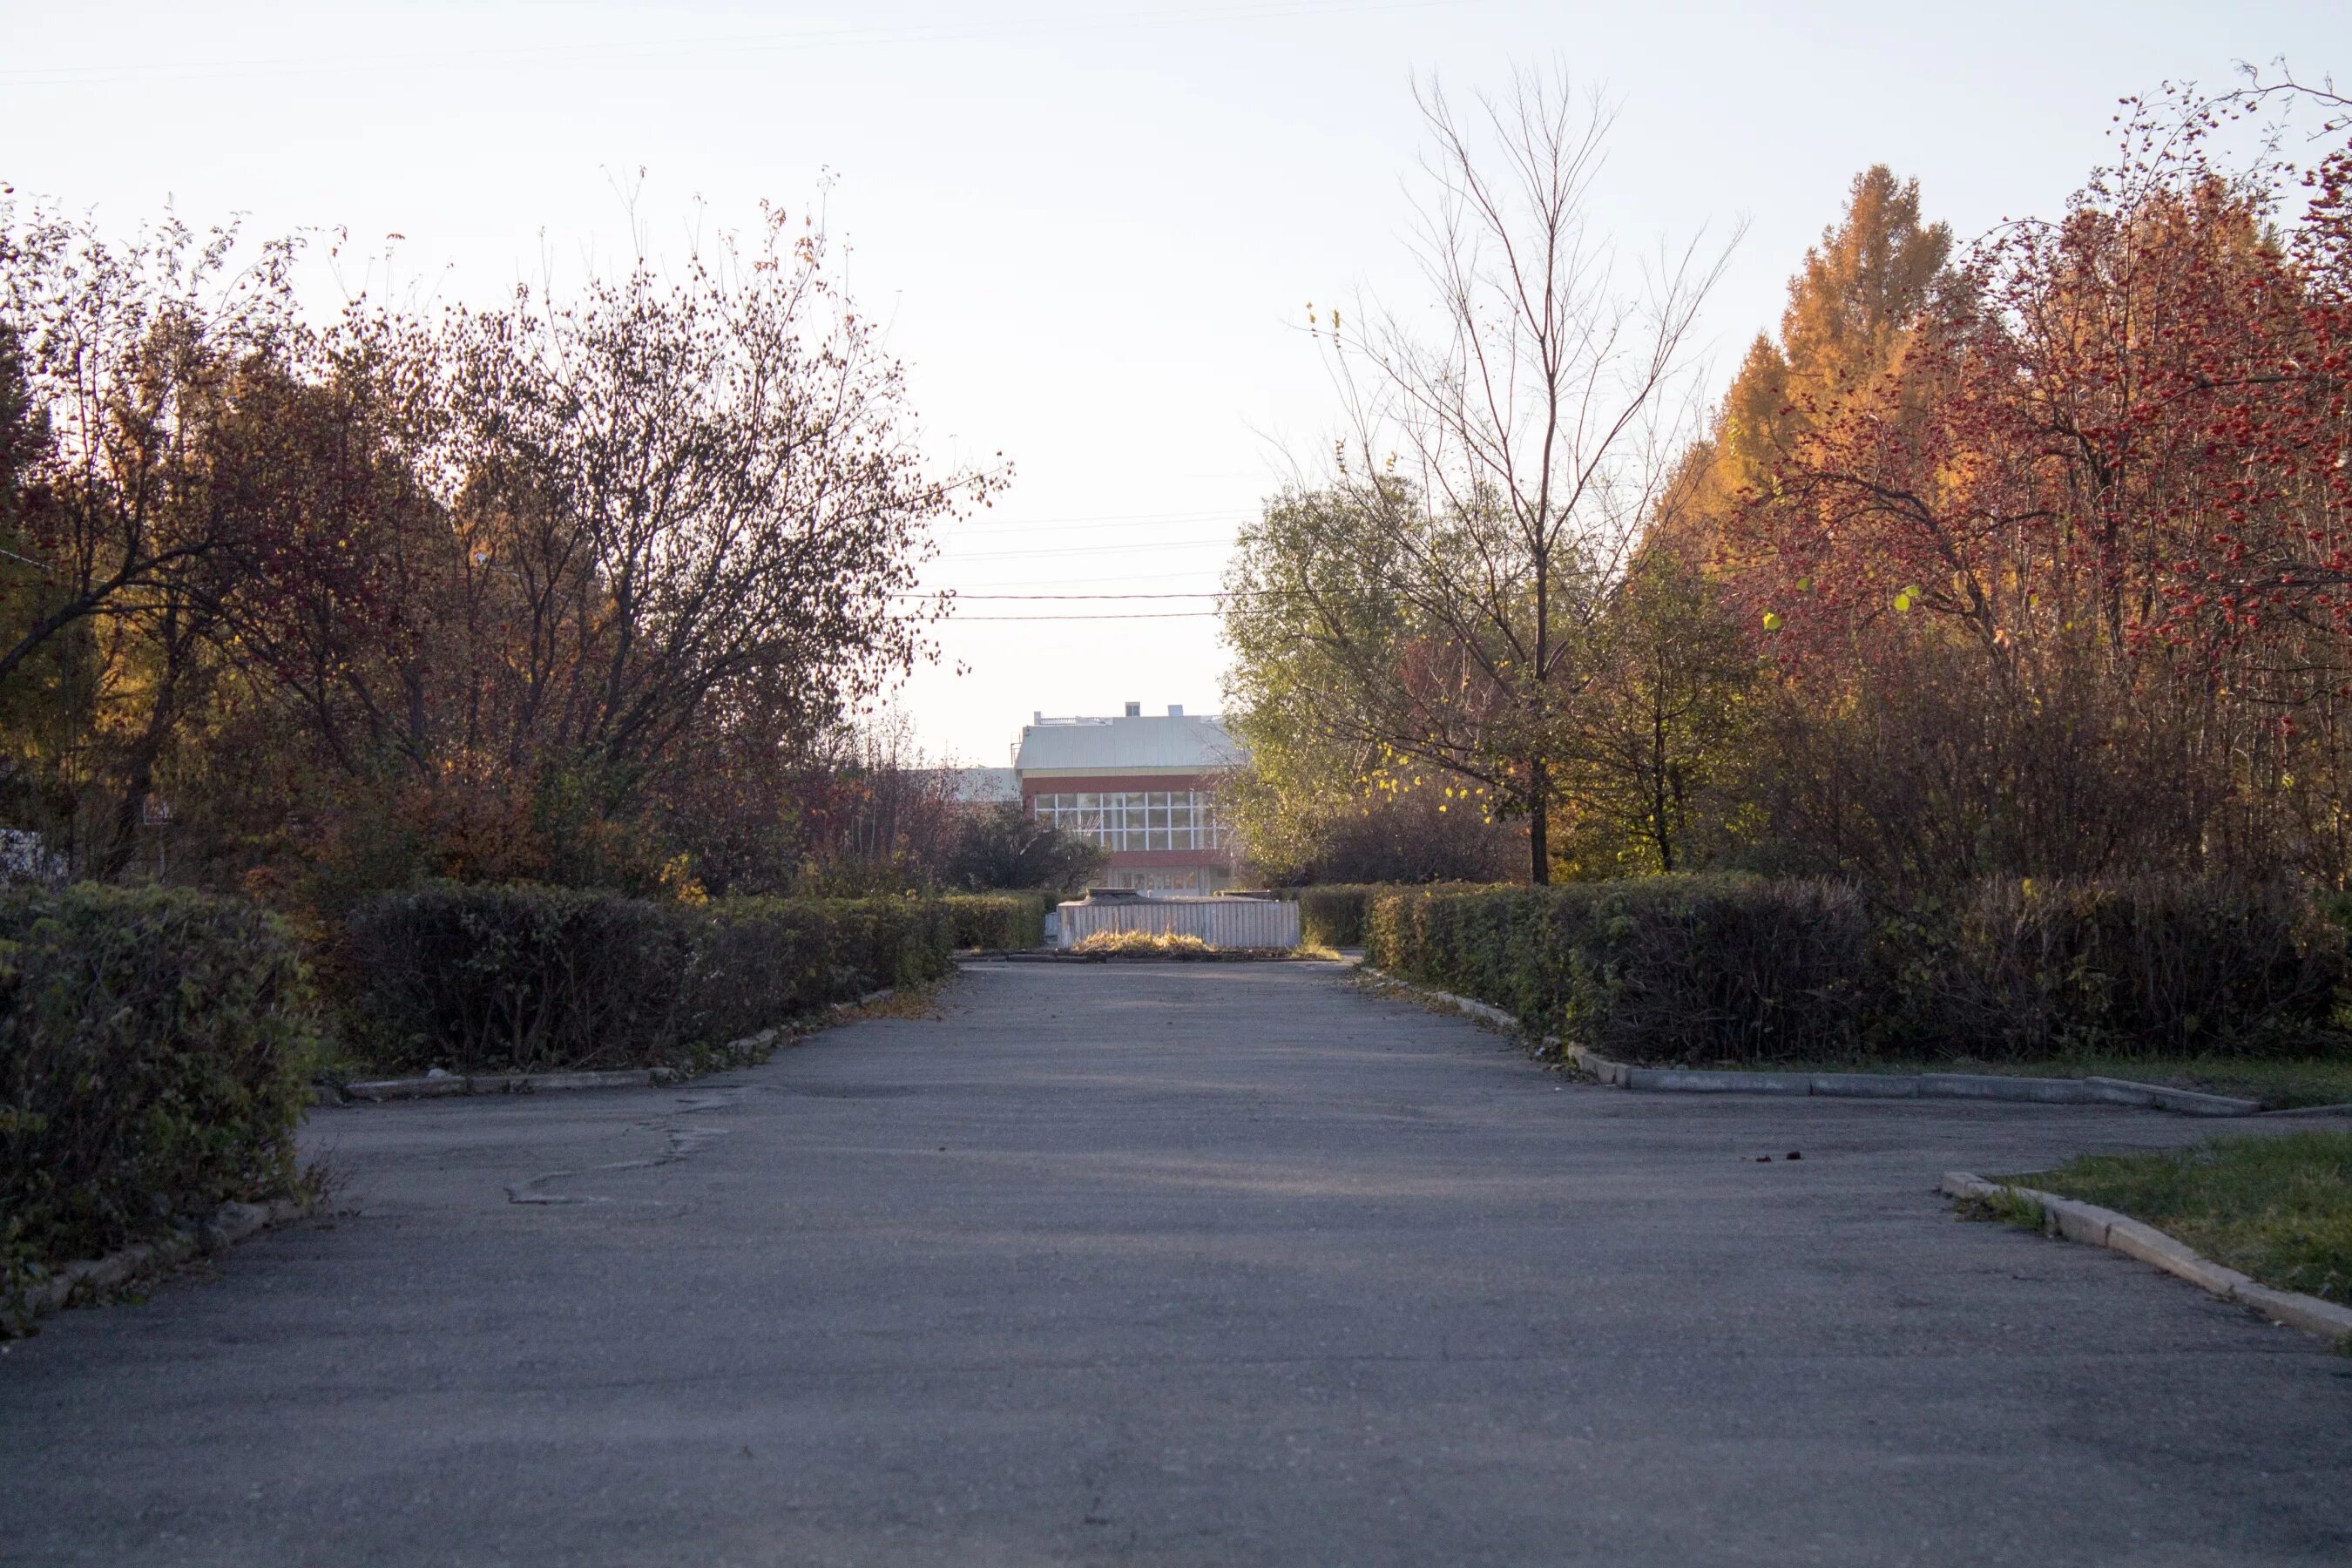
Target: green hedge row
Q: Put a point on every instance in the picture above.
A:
(516, 978)
(1338, 914)
(1000, 921)
(156, 1052)
(1705, 969)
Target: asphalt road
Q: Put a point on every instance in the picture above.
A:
(1174, 1264)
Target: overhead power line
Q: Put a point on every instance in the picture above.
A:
(1106, 615)
(1084, 549)
(962, 597)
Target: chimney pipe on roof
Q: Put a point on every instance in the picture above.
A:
(1175, 711)
(1135, 709)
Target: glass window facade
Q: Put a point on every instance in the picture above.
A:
(1136, 819)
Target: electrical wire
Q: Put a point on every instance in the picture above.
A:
(1108, 615)
(962, 597)
(1085, 549)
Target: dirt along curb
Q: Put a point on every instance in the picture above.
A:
(231, 1224)
(1849, 1085)
(746, 1052)
(2093, 1225)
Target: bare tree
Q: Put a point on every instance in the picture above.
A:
(1511, 453)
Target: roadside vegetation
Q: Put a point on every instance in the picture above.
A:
(155, 1055)
(443, 686)
(1142, 945)
(2022, 558)
(1756, 971)
(2276, 1208)
(1966, 687)
(478, 979)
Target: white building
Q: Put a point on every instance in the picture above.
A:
(1143, 788)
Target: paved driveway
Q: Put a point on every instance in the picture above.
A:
(1174, 1264)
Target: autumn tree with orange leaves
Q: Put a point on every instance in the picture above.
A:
(2061, 589)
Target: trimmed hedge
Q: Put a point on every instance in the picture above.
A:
(155, 1051)
(1334, 915)
(1712, 969)
(1000, 921)
(522, 977)
(1338, 914)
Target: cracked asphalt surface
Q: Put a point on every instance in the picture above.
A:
(1174, 1263)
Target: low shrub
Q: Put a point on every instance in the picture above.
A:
(2148, 965)
(1000, 922)
(1738, 969)
(155, 1050)
(1336, 914)
(1663, 969)
(520, 978)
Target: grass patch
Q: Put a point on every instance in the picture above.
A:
(2005, 1207)
(2325, 1079)
(1142, 943)
(2279, 1209)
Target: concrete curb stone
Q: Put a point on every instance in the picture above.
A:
(2188, 1101)
(1700, 1080)
(1992, 1086)
(2088, 1223)
(231, 1224)
(734, 1053)
(1864, 1085)
(2296, 1311)
(1854, 1086)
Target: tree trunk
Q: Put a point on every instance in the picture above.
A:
(1538, 822)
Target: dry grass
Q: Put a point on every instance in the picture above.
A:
(1142, 945)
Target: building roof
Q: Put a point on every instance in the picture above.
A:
(1174, 742)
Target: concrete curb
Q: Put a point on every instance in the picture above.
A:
(377, 1090)
(231, 1224)
(750, 1049)
(1856, 1085)
(2094, 1227)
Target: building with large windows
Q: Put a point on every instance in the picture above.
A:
(1143, 788)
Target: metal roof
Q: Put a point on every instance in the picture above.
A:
(1175, 741)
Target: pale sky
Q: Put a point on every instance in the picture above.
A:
(1094, 229)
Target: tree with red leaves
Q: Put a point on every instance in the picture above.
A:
(2064, 588)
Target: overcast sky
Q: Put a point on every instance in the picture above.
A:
(1094, 229)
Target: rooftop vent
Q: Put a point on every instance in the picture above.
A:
(1175, 711)
(1135, 709)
